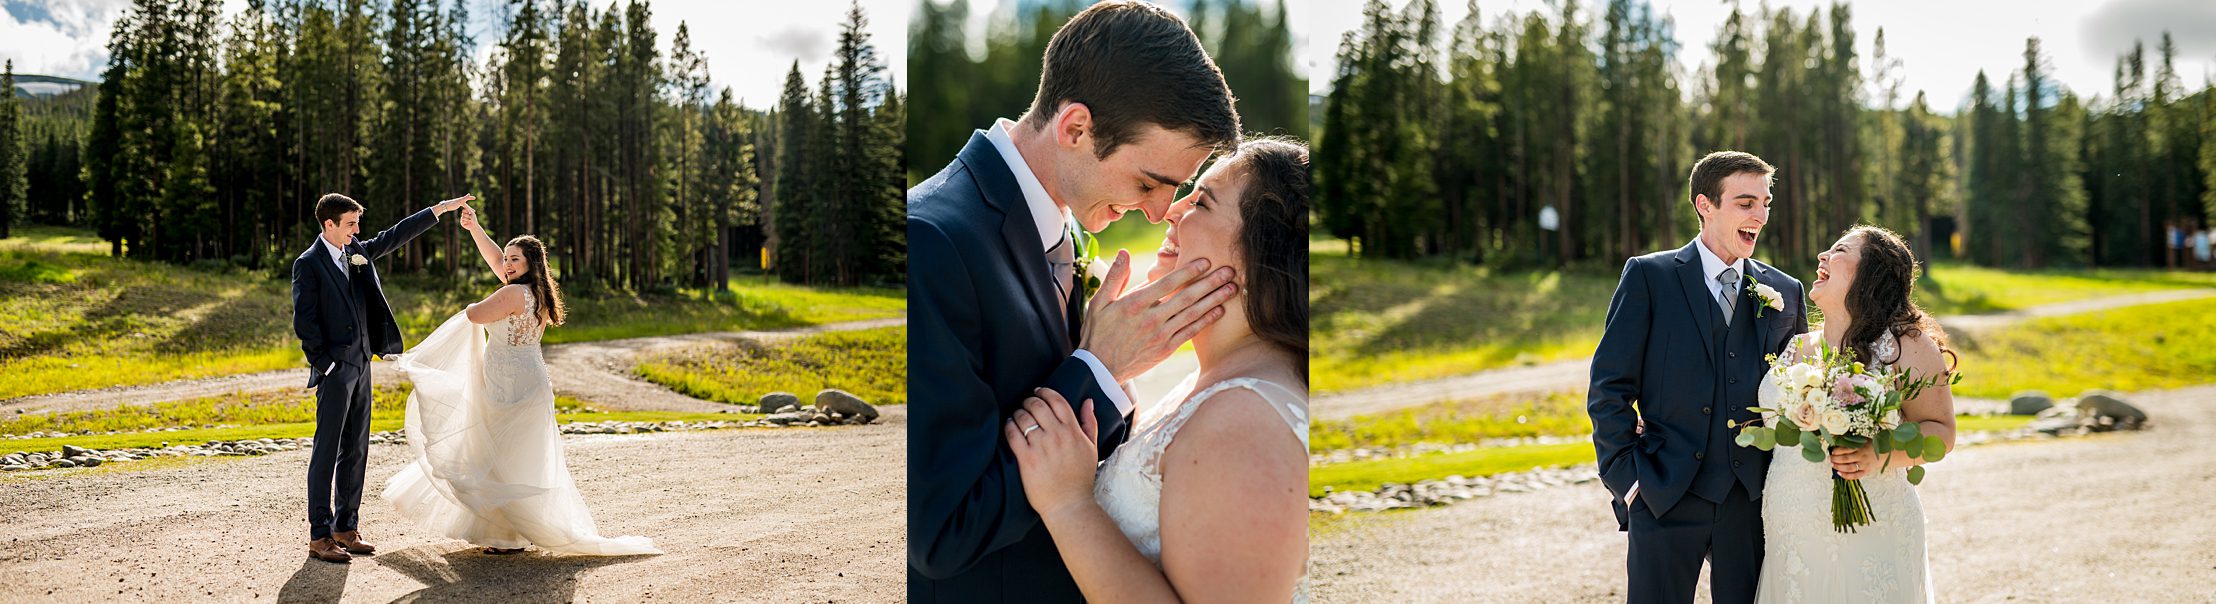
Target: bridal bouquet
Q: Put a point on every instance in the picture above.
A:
(1830, 400)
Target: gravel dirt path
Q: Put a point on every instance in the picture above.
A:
(1575, 373)
(599, 372)
(2117, 517)
(754, 515)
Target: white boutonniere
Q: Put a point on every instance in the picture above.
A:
(356, 259)
(1768, 295)
(1095, 270)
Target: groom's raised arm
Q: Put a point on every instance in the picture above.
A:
(1618, 374)
(408, 228)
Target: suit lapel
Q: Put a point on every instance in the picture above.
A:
(1695, 284)
(1019, 233)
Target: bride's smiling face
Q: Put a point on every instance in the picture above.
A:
(512, 264)
(1835, 270)
(1204, 224)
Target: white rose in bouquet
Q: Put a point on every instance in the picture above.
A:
(1836, 421)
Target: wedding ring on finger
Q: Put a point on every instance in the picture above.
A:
(1027, 429)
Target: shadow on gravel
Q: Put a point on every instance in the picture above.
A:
(316, 581)
(469, 575)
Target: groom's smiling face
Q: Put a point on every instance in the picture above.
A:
(1733, 223)
(1140, 175)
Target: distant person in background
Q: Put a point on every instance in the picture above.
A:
(2175, 238)
(2200, 247)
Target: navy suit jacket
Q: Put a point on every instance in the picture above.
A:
(1665, 353)
(331, 310)
(984, 329)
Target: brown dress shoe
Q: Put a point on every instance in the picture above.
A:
(352, 541)
(328, 551)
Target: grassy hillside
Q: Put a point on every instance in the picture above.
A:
(1377, 322)
(73, 318)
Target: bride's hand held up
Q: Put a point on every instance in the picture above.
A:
(1056, 452)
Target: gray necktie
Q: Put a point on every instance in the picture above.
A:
(1730, 279)
(1062, 259)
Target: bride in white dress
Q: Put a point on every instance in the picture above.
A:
(489, 467)
(1862, 285)
(1208, 499)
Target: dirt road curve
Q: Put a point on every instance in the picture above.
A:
(1575, 373)
(595, 371)
(757, 515)
(2118, 518)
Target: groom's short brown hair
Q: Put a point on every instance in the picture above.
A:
(333, 207)
(1135, 63)
(1709, 174)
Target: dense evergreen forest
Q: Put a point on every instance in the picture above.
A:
(1451, 139)
(209, 137)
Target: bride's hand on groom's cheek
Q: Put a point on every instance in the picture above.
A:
(1130, 332)
(1056, 451)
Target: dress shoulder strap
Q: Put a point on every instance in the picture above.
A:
(1289, 404)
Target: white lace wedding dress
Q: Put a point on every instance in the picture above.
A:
(488, 463)
(1130, 484)
(1805, 560)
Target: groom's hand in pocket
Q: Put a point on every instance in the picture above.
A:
(1131, 332)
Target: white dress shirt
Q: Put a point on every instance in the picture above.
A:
(1054, 223)
(1713, 266)
(338, 254)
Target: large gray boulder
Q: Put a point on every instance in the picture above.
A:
(775, 401)
(2108, 409)
(833, 400)
(2029, 402)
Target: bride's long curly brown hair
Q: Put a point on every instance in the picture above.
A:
(541, 281)
(1882, 297)
(1273, 238)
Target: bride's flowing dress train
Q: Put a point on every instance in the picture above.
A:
(1805, 560)
(1129, 487)
(488, 463)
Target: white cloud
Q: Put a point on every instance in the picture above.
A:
(65, 38)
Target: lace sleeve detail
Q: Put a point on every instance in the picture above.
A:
(524, 328)
(1887, 349)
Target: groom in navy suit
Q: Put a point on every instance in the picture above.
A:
(1129, 106)
(340, 314)
(1682, 355)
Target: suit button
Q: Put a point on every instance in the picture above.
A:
(1705, 411)
(1697, 455)
(1734, 380)
(1733, 355)
(1734, 464)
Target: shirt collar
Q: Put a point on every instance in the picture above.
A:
(337, 253)
(1052, 220)
(1712, 265)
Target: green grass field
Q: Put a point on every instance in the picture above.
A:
(73, 318)
(2127, 349)
(870, 363)
(238, 416)
(1379, 321)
